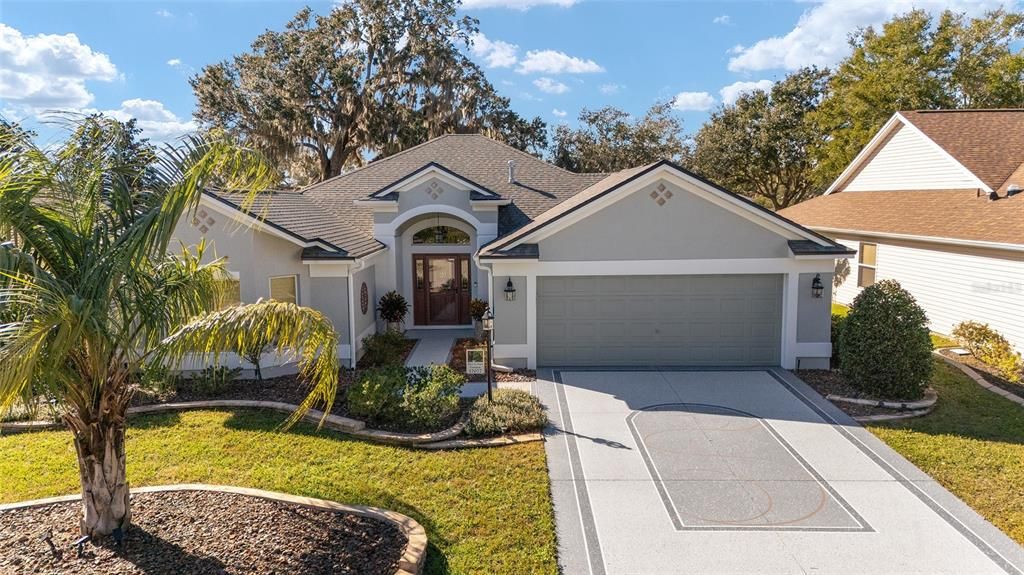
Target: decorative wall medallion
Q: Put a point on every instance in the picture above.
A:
(661, 194)
(434, 190)
(364, 298)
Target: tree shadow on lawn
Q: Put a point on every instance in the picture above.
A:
(154, 420)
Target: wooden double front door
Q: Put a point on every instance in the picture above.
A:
(441, 289)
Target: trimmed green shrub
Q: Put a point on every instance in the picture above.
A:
(838, 321)
(378, 393)
(422, 397)
(512, 411)
(431, 396)
(157, 378)
(393, 307)
(885, 348)
(383, 348)
(990, 347)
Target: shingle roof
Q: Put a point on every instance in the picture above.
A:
(327, 210)
(954, 214)
(989, 143)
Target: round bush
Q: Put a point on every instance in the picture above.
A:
(885, 349)
(512, 411)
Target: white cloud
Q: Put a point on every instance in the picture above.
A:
(559, 113)
(157, 122)
(724, 20)
(609, 89)
(515, 4)
(549, 86)
(693, 101)
(494, 53)
(49, 70)
(164, 13)
(733, 91)
(174, 62)
(555, 62)
(820, 36)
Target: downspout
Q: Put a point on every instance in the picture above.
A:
(490, 284)
(352, 269)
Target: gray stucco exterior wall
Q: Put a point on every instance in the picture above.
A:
(254, 255)
(683, 226)
(330, 296)
(364, 320)
(509, 316)
(814, 315)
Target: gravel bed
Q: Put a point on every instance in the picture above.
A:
(457, 362)
(986, 371)
(199, 533)
(828, 382)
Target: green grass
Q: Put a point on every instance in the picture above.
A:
(485, 510)
(839, 309)
(973, 444)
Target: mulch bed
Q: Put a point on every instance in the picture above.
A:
(458, 363)
(828, 382)
(986, 371)
(198, 532)
(403, 355)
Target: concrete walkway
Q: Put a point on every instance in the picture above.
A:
(742, 471)
(433, 345)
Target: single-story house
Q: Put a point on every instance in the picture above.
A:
(934, 201)
(647, 266)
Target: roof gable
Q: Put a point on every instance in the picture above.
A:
(620, 184)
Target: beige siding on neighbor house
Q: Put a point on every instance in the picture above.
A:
(952, 287)
(909, 161)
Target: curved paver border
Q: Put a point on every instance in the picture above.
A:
(336, 422)
(894, 416)
(499, 441)
(969, 372)
(413, 556)
(930, 397)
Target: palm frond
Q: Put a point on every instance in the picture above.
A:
(293, 328)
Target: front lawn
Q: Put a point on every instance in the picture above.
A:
(485, 510)
(973, 444)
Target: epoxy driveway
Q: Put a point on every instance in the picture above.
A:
(742, 472)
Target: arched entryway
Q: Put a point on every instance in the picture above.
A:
(438, 269)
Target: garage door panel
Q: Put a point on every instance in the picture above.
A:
(659, 320)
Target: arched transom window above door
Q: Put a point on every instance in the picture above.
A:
(441, 235)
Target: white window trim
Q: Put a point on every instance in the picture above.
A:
(295, 282)
(874, 267)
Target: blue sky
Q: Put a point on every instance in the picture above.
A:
(551, 57)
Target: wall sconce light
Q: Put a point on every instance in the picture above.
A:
(817, 288)
(510, 291)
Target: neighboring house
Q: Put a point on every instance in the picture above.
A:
(648, 266)
(934, 202)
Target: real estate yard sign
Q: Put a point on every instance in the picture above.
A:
(475, 361)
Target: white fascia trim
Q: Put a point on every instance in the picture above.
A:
(908, 124)
(926, 239)
(251, 221)
(431, 172)
(379, 206)
(853, 166)
(684, 181)
(488, 205)
(662, 267)
(824, 256)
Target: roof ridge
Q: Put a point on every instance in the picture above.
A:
(372, 162)
(959, 110)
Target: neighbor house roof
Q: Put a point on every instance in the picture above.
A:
(952, 214)
(328, 210)
(989, 143)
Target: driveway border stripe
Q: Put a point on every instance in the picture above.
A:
(595, 559)
(939, 510)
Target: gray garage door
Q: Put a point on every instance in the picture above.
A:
(659, 320)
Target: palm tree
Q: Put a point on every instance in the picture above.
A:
(90, 293)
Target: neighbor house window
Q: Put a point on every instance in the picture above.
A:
(285, 288)
(866, 269)
(229, 294)
(445, 235)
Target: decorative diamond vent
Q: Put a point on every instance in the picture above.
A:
(203, 221)
(434, 190)
(661, 194)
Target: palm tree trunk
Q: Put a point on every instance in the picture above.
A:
(101, 467)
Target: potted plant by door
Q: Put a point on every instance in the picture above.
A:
(477, 309)
(393, 308)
